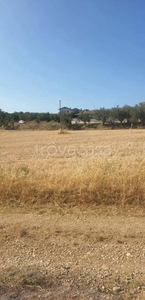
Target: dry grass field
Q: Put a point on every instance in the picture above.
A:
(72, 215)
(88, 167)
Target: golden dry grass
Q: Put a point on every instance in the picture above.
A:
(88, 167)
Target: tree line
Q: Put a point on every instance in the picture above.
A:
(132, 115)
(10, 118)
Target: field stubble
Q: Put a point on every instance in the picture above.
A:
(91, 167)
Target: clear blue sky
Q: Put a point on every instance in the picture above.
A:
(88, 53)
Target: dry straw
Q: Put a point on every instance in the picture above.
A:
(116, 178)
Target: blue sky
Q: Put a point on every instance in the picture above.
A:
(88, 53)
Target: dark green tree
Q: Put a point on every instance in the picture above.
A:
(6, 121)
(85, 117)
(65, 119)
(140, 113)
(2, 117)
(102, 115)
(55, 117)
(15, 116)
(119, 113)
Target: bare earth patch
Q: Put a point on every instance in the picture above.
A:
(76, 254)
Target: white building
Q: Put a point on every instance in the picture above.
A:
(65, 110)
(22, 122)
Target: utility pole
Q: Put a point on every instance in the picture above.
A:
(60, 116)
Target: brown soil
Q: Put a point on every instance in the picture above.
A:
(75, 254)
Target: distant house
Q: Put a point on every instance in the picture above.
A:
(76, 121)
(142, 103)
(124, 121)
(86, 112)
(94, 121)
(22, 122)
(65, 110)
